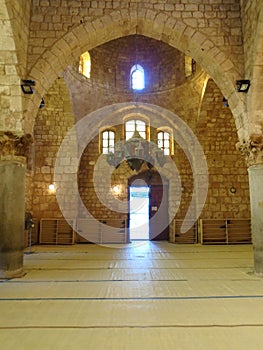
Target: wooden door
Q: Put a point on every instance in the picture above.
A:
(159, 218)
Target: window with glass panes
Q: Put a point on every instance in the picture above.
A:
(135, 124)
(108, 141)
(137, 77)
(163, 142)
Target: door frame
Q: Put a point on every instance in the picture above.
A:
(151, 178)
(129, 212)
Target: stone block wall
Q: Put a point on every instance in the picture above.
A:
(14, 24)
(19, 13)
(215, 131)
(227, 168)
(211, 122)
(163, 65)
(87, 97)
(210, 32)
(52, 124)
(253, 45)
(220, 20)
(250, 9)
(99, 197)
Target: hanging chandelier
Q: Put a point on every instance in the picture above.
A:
(136, 151)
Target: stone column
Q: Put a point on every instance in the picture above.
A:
(253, 151)
(13, 152)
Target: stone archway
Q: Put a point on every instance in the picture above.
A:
(153, 24)
(252, 145)
(255, 101)
(13, 61)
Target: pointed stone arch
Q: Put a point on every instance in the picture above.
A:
(12, 106)
(255, 98)
(150, 23)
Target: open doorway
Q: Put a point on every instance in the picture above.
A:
(148, 206)
(139, 212)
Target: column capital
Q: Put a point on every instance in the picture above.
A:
(252, 149)
(14, 146)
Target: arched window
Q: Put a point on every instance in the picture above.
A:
(164, 142)
(108, 141)
(135, 125)
(189, 66)
(137, 77)
(85, 64)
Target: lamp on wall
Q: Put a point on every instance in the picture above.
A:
(27, 86)
(243, 85)
(232, 189)
(116, 189)
(52, 188)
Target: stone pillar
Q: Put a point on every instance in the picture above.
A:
(256, 203)
(253, 151)
(13, 152)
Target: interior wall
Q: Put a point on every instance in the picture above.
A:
(227, 168)
(215, 130)
(19, 14)
(253, 44)
(251, 10)
(210, 33)
(14, 32)
(52, 124)
(163, 65)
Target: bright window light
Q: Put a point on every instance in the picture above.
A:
(137, 77)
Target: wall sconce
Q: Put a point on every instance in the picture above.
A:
(233, 189)
(116, 189)
(243, 85)
(26, 86)
(52, 188)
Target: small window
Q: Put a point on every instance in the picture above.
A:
(135, 125)
(137, 77)
(85, 64)
(189, 66)
(108, 141)
(164, 142)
